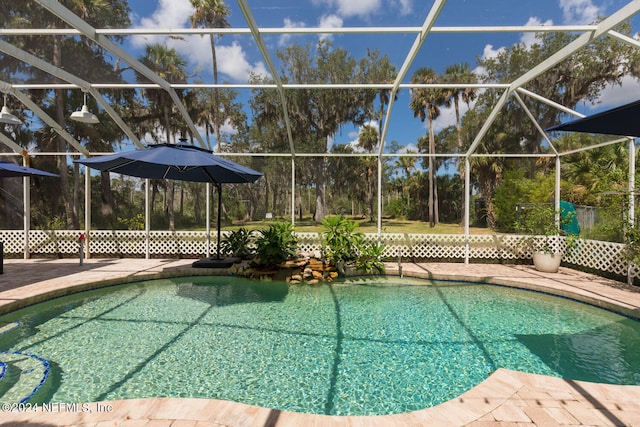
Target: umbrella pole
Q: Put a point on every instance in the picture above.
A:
(219, 186)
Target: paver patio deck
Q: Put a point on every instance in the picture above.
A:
(506, 398)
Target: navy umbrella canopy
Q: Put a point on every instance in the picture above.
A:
(10, 170)
(180, 162)
(621, 120)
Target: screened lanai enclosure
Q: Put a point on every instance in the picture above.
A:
(429, 112)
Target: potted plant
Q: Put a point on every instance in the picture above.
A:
(345, 248)
(538, 222)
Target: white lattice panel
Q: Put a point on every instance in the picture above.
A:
(605, 256)
(53, 242)
(309, 242)
(595, 255)
(120, 243)
(12, 241)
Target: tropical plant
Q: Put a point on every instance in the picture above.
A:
(343, 245)
(340, 241)
(239, 243)
(632, 248)
(370, 259)
(538, 222)
(276, 244)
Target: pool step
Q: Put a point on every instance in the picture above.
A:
(21, 375)
(8, 327)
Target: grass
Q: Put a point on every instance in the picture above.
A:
(388, 226)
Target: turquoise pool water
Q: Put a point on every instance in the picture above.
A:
(374, 346)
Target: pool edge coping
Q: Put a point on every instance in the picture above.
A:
(465, 408)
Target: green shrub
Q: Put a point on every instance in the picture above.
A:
(276, 244)
(343, 245)
(239, 243)
(340, 241)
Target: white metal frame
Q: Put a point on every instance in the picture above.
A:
(100, 36)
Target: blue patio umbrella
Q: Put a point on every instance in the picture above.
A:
(180, 162)
(11, 170)
(621, 120)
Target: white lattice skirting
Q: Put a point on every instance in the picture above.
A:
(598, 256)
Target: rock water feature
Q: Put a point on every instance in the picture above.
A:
(304, 270)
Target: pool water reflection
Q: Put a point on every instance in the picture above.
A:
(363, 347)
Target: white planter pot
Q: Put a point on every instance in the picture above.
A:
(547, 263)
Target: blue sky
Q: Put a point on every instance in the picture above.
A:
(238, 56)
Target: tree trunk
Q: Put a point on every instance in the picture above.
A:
(76, 191)
(71, 217)
(320, 208)
(106, 198)
(197, 210)
(461, 169)
(370, 193)
(432, 222)
(170, 184)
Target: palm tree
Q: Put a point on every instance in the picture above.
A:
(212, 14)
(169, 65)
(425, 104)
(460, 73)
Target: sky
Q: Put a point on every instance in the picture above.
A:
(238, 56)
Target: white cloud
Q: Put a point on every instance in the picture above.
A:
(288, 23)
(228, 128)
(361, 8)
(232, 59)
(406, 7)
(490, 52)
(446, 118)
(169, 13)
(530, 38)
(615, 96)
(409, 148)
(329, 21)
(355, 136)
(365, 8)
(579, 11)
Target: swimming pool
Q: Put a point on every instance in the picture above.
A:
(362, 347)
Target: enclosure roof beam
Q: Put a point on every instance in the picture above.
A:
(434, 12)
(11, 144)
(603, 27)
(623, 37)
(550, 102)
(300, 30)
(46, 118)
(535, 122)
(74, 80)
(257, 37)
(487, 124)
(87, 30)
(591, 147)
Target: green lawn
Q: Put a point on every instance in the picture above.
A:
(388, 226)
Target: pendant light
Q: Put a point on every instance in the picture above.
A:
(6, 117)
(84, 115)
